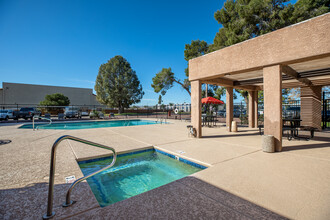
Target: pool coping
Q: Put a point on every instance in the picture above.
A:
(172, 155)
(19, 126)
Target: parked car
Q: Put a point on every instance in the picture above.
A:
(222, 113)
(6, 114)
(237, 113)
(84, 114)
(72, 112)
(26, 113)
(96, 114)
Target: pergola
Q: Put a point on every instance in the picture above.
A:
(295, 56)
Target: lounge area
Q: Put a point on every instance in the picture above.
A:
(297, 56)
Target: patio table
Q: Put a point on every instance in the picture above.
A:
(208, 119)
(293, 126)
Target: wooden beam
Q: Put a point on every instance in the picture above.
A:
(291, 72)
(319, 82)
(229, 83)
(248, 88)
(219, 82)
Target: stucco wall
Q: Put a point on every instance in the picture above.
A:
(306, 40)
(33, 94)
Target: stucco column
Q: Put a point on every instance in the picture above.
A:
(251, 109)
(311, 107)
(196, 106)
(229, 107)
(255, 103)
(273, 104)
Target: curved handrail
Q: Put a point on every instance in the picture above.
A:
(50, 122)
(161, 120)
(68, 201)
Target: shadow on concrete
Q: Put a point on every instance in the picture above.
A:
(187, 198)
(30, 201)
(305, 146)
(320, 138)
(238, 134)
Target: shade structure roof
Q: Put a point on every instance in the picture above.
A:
(302, 50)
(211, 100)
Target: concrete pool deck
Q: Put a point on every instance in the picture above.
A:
(242, 182)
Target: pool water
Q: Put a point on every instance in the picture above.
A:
(134, 174)
(90, 124)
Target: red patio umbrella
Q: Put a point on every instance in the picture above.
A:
(211, 100)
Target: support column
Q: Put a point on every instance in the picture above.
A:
(311, 107)
(273, 104)
(196, 106)
(255, 103)
(251, 109)
(206, 90)
(229, 107)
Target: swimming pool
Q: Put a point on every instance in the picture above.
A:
(135, 173)
(90, 124)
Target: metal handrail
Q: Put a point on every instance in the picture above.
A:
(68, 201)
(50, 121)
(161, 120)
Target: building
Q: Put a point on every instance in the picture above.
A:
(297, 56)
(29, 94)
(185, 107)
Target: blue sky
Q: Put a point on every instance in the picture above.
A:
(63, 43)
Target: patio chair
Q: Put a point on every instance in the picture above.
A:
(191, 131)
(47, 115)
(101, 115)
(60, 116)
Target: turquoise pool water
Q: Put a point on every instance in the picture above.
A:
(134, 174)
(90, 124)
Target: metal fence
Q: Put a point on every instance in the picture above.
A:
(326, 110)
(291, 109)
(87, 112)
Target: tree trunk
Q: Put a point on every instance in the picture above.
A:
(187, 89)
(119, 108)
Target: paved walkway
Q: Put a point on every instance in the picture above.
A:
(241, 182)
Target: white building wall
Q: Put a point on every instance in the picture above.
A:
(186, 107)
(1, 96)
(17, 93)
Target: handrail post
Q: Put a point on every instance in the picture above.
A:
(68, 202)
(50, 212)
(50, 122)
